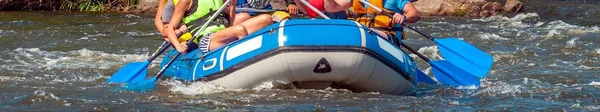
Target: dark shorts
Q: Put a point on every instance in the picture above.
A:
(337, 15)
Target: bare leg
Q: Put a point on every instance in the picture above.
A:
(381, 33)
(256, 23)
(241, 17)
(226, 36)
(236, 32)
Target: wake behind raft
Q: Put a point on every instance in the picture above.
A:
(313, 54)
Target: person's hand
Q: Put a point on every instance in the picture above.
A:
(398, 18)
(292, 9)
(182, 47)
(183, 29)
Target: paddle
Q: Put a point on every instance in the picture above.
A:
(462, 58)
(446, 72)
(136, 71)
(152, 81)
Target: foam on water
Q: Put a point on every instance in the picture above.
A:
(499, 88)
(489, 36)
(78, 78)
(552, 33)
(514, 22)
(194, 88)
(92, 36)
(134, 34)
(430, 51)
(528, 25)
(36, 58)
(594, 83)
(44, 95)
(571, 43)
(132, 16)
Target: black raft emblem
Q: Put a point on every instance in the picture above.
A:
(322, 66)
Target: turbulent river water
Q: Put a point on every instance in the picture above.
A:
(543, 60)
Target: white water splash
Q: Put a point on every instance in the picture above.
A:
(517, 17)
(589, 108)
(498, 88)
(571, 43)
(195, 88)
(132, 16)
(78, 78)
(430, 51)
(45, 94)
(523, 26)
(91, 36)
(489, 36)
(552, 33)
(134, 34)
(563, 27)
(467, 87)
(594, 83)
(501, 21)
(35, 58)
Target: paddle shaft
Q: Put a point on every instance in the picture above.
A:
(314, 9)
(159, 51)
(409, 27)
(160, 73)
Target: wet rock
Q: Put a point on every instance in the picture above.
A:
(449, 7)
(485, 13)
(147, 6)
(471, 8)
(513, 6)
(492, 6)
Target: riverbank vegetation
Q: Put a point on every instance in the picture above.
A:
(70, 5)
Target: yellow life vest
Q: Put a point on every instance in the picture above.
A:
(203, 11)
(372, 18)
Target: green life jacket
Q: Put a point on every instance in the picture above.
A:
(200, 12)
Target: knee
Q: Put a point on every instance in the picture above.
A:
(239, 30)
(242, 15)
(265, 18)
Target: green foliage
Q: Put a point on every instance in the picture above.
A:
(67, 5)
(461, 12)
(98, 5)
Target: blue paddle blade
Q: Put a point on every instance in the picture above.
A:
(131, 72)
(449, 74)
(422, 77)
(142, 85)
(465, 56)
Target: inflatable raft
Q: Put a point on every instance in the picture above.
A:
(312, 54)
